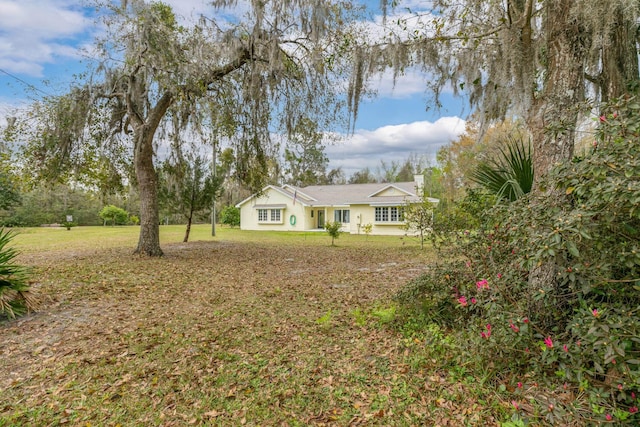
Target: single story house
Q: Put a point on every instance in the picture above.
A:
(290, 208)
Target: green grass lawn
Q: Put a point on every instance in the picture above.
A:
(243, 328)
(58, 238)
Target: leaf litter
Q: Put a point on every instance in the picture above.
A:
(223, 333)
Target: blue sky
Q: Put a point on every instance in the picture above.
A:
(40, 41)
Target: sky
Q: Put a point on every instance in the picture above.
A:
(40, 51)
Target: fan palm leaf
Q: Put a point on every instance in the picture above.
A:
(510, 175)
(14, 289)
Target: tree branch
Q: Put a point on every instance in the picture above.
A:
(244, 55)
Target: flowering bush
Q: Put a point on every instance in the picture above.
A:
(578, 332)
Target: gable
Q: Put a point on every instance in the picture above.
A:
(391, 191)
(271, 196)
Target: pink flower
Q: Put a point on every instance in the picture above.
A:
(525, 320)
(482, 284)
(514, 327)
(613, 361)
(565, 348)
(548, 342)
(499, 275)
(463, 301)
(526, 350)
(603, 118)
(519, 384)
(608, 417)
(515, 405)
(633, 409)
(473, 300)
(633, 395)
(578, 343)
(620, 387)
(488, 333)
(595, 312)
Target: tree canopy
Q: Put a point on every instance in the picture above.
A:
(304, 158)
(535, 59)
(156, 79)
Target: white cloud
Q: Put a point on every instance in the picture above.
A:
(404, 85)
(393, 143)
(189, 9)
(31, 32)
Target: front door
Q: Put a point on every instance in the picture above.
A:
(321, 219)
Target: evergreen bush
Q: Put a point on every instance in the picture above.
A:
(230, 215)
(577, 335)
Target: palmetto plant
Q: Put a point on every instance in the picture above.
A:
(14, 289)
(510, 175)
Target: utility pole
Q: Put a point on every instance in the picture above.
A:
(213, 172)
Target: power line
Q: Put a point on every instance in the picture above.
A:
(29, 85)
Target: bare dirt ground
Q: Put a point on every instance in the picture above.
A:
(224, 333)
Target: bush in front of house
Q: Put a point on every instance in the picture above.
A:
(230, 215)
(334, 230)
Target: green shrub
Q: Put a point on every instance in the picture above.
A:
(68, 224)
(577, 333)
(367, 229)
(15, 298)
(334, 230)
(230, 215)
(114, 215)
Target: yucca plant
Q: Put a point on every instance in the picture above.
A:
(15, 298)
(510, 175)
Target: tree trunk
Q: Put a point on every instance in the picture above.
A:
(554, 114)
(553, 119)
(143, 133)
(620, 59)
(149, 240)
(186, 234)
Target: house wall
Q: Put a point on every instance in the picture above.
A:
(359, 215)
(365, 214)
(249, 213)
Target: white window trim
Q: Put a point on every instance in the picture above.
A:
(342, 215)
(270, 215)
(388, 215)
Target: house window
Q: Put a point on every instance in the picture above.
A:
(270, 215)
(341, 215)
(397, 214)
(389, 214)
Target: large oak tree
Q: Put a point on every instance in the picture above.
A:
(245, 77)
(538, 59)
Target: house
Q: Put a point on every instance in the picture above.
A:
(290, 208)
